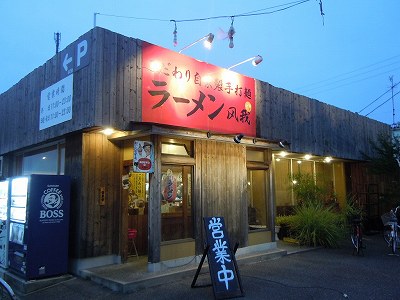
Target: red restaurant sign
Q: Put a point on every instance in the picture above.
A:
(181, 91)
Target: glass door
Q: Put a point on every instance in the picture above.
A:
(176, 203)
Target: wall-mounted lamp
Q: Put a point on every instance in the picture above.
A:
(284, 144)
(238, 138)
(255, 61)
(208, 39)
(208, 134)
(108, 131)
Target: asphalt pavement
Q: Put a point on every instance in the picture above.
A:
(321, 273)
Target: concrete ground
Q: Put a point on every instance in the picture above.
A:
(293, 272)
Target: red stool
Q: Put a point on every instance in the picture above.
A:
(132, 233)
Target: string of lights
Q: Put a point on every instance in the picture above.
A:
(248, 14)
(231, 32)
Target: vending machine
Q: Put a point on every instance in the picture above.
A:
(4, 223)
(39, 225)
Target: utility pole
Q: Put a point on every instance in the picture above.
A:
(57, 39)
(94, 19)
(392, 87)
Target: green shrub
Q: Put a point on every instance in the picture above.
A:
(352, 210)
(317, 225)
(306, 190)
(283, 220)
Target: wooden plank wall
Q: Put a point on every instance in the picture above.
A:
(117, 81)
(73, 167)
(221, 186)
(310, 125)
(94, 162)
(105, 93)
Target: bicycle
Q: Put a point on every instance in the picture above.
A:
(356, 236)
(6, 292)
(391, 229)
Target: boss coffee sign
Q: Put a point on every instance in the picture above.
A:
(52, 201)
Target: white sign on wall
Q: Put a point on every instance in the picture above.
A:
(56, 103)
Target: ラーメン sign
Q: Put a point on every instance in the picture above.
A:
(181, 91)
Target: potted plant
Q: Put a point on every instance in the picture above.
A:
(282, 226)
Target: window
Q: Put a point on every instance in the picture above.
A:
(47, 160)
(257, 206)
(177, 147)
(328, 176)
(257, 192)
(176, 203)
(282, 183)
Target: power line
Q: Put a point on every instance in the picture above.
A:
(379, 97)
(352, 82)
(382, 104)
(303, 88)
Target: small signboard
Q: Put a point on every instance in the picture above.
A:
(143, 157)
(56, 103)
(75, 56)
(221, 259)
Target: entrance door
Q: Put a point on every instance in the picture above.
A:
(176, 203)
(136, 195)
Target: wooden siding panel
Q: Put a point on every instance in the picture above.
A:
(154, 210)
(84, 250)
(310, 125)
(98, 84)
(198, 196)
(222, 176)
(101, 167)
(73, 167)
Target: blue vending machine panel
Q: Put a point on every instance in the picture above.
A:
(38, 242)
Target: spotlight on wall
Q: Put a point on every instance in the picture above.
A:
(208, 39)
(208, 42)
(255, 61)
(108, 131)
(284, 144)
(238, 138)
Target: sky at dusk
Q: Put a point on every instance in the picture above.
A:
(344, 57)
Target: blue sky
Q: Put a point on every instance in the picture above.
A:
(343, 59)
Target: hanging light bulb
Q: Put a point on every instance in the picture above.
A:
(175, 33)
(231, 33)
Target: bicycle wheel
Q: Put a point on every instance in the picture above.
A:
(387, 230)
(6, 292)
(394, 242)
(353, 238)
(356, 240)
